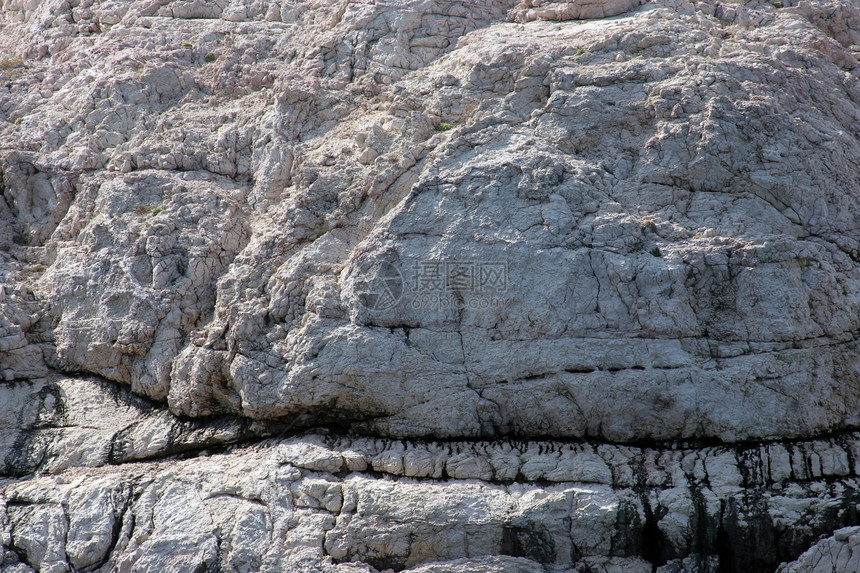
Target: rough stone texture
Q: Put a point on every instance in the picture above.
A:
(529, 10)
(51, 424)
(838, 553)
(672, 194)
(328, 503)
(429, 285)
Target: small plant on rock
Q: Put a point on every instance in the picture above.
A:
(19, 121)
(579, 52)
(210, 57)
(777, 4)
(187, 45)
(156, 211)
(444, 127)
(656, 252)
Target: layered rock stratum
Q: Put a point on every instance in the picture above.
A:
(430, 286)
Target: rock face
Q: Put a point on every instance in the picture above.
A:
(429, 285)
(529, 10)
(838, 553)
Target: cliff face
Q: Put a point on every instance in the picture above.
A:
(429, 285)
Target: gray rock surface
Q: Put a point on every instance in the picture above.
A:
(529, 10)
(647, 246)
(329, 503)
(429, 285)
(841, 552)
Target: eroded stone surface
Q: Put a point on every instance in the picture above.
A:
(669, 195)
(312, 500)
(837, 553)
(586, 286)
(325, 502)
(529, 10)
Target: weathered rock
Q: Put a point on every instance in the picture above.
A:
(529, 10)
(633, 232)
(543, 286)
(259, 508)
(571, 171)
(841, 552)
(425, 506)
(51, 424)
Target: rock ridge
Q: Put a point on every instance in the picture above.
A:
(429, 286)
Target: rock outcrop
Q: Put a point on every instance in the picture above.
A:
(432, 285)
(529, 10)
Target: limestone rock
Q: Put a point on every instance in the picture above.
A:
(432, 285)
(52, 424)
(639, 228)
(655, 259)
(258, 508)
(529, 10)
(841, 552)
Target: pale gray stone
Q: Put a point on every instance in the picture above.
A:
(433, 285)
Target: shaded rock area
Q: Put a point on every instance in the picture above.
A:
(429, 286)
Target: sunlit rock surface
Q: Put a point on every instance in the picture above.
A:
(429, 285)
